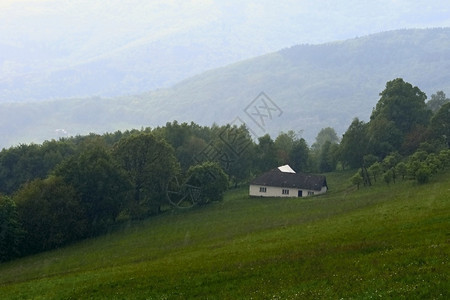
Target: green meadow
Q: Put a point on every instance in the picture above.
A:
(382, 241)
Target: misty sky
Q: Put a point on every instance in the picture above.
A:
(48, 35)
(50, 21)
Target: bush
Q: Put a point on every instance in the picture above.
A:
(388, 176)
(211, 179)
(357, 179)
(423, 174)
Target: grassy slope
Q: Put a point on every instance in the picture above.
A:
(383, 241)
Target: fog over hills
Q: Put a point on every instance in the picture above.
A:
(309, 87)
(53, 49)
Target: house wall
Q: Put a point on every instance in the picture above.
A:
(322, 191)
(272, 191)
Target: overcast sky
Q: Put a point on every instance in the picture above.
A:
(315, 21)
(46, 35)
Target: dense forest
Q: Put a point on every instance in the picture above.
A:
(65, 190)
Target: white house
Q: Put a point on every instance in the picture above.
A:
(285, 182)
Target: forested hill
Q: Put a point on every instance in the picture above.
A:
(309, 87)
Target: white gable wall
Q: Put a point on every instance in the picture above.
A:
(273, 191)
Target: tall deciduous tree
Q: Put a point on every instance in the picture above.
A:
(327, 159)
(150, 163)
(353, 146)
(400, 109)
(100, 182)
(265, 153)
(51, 214)
(299, 157)
(237, 147)
(283, 145)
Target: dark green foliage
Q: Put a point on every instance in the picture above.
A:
(433, 163)
(189, 149)
(210, 179)
(299, 158)
(440, 124)
(283, 145)
(289, 149)
(411, 167)
(27, 162)
(370, 159)
(51, 214)
(375, 170)
(399, 114)
(266, 154)
(328, 157)
(11, 231)
(236, 152)
(384, 137)
(401, 169)
(415, 162)
(353, 146)
(388, 176)
(149, 163)
(414, 139)
(423, 174)
(357, 179)
(389, 163)
(100, 183)
(402, 104)
(444, 157)
(186, 139)
(399, 123)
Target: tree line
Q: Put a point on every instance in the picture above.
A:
(405, 137)
(65, 190)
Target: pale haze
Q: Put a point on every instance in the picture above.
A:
(54, 49)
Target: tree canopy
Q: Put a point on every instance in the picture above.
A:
(402, 104)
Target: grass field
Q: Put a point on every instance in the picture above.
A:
(384, 241)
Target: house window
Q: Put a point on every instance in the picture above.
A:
(285, 192)
(262, 189)
(310, 193)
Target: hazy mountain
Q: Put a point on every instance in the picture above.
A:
(310, 87)
(57, 49)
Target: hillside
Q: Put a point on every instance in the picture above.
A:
(52, 49)
(383, 241)
(314, 86)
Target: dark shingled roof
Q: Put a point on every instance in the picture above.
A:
(291, 180)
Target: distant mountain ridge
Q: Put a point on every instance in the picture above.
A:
(314, 86)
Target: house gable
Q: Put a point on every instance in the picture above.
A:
(284, 182)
